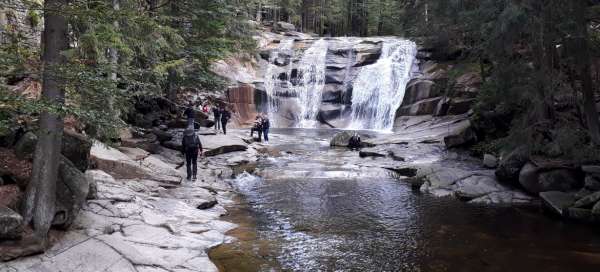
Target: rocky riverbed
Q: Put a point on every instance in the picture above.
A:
(142, 215)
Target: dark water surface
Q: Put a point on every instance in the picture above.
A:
(316, 210)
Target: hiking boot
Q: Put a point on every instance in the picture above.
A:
(194, 178)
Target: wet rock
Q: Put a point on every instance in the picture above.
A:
(340, 139)
(11, 224)
(557, 202)
(534, 180)
(592, 183)
(368, 153)
(207, 205)
(596, 209)
(587, 201)
(367, 53)
(477, 186)
(26, 145)
(579, 214)
(463, 134)
(509, 198)
(510, 166)
(591, 169)
(490, 161)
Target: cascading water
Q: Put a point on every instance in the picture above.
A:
(379, 88)
(311, 70)
(272, 81)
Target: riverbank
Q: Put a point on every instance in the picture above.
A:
(144, 216)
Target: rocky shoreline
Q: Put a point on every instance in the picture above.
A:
(142, 216)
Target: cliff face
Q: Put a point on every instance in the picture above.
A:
(20, 24)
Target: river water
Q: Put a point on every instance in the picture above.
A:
(313, 208)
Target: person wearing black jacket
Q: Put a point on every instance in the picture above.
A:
(225, 116)
(191, 147)
(265, 125)
(217, 116)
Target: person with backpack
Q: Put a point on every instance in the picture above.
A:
(217, 118)
(190, 114)
(191, 147)
(265, 125)
(225, 116)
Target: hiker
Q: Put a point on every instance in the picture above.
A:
(191, 147)
(217, 118)
(225, 116)
(205, 108)
(257, 126)
(265, 124)
(354, 143)
(190, 114)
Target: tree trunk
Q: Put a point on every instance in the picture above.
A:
(583, 59)
(114, 59)
(39, 204)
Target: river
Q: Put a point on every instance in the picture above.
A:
(314, 208)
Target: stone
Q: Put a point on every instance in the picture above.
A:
(221, 144)
(557, 202)
(10, 195)
(340, 139)
(579, 214)
(161, 135)
(71, 194)
(588, 200)
(422, 107)
(529, 178)
(11, 224)
(477, 186)
(207, 205)
(458, 106)
(563, 180)
(26, 145)
(373, 154)
(510, 166)
(461, 135)
(591, 169)
(490, 161)
(582, 193)
(76, 148)
(286, 26)
(419, 89)
(507, 198)
(367, 53)
(592, 183)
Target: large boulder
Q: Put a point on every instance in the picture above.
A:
(557, 202)
(221, 144)
(419, 89)
(490, 161)
(463, 134)
(340, 139)
(286, 26)
(26, 145)
(11, 224)
(422, 107)
(76, 148)
(10, 195)
(71, 193)
(535, 180)
(510, 165)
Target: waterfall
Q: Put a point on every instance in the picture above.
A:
(379, 89)
(311, 70)
(272, 82)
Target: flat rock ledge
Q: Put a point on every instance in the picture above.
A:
(144, 218)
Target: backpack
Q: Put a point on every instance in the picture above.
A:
(191, 142)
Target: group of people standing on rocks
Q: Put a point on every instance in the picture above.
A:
(261, 125)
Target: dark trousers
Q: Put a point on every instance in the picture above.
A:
(224, 126)
(217, 123)
(252, 130)
(191, 163)
(265, 133)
